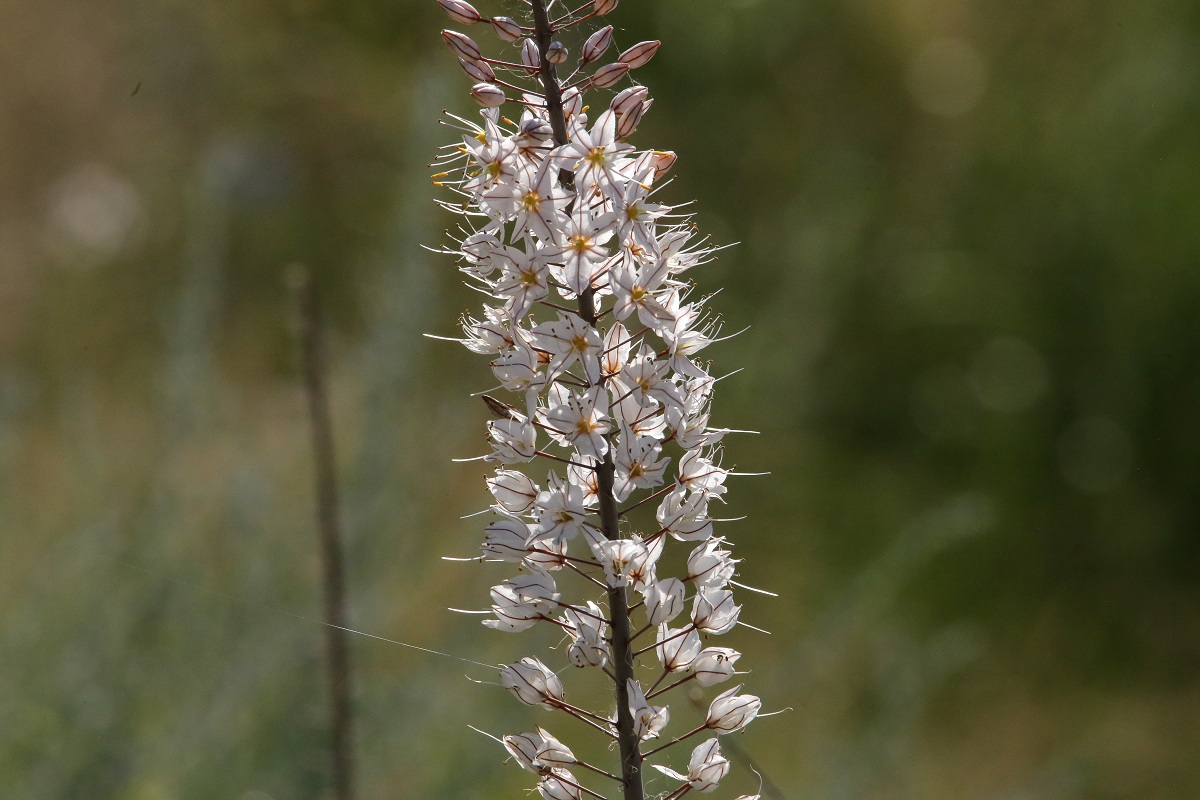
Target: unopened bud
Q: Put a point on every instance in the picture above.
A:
(597, 44)
(507, 29)
(602, 7)
(572, 102)
(535, 130)
(464, 46)
(488, 95)
(663, 161)
(639, 54)
(461, 11)
(628, 99)
(556, 53)
(609, 74)
(627, 124)
(530, 58)
(478, 70)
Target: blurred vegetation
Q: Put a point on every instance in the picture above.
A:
(969, 237)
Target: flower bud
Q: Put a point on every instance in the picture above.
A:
(532, 682)
(597, 44)
(488, 95)
(462, 45)
(507, 29)
(627, 99)
(714, 664)
(556, 53)
(534, 130)
(460, 11)
(609, 74)
(663, 161)
(639, 54)
(572, 102)
(731, 712)
(602, 7)
(628, 123)
(530, 58)
(478, 70)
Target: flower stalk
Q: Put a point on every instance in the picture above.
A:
(557, 203)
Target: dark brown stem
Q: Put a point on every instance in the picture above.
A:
(618, 604)
(329, 529)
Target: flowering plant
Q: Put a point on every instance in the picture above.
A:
(592, 326)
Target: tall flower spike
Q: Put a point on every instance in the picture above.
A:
(591, 329)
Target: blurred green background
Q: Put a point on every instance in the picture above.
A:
(969, 237)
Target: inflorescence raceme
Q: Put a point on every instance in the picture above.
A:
(592, 326)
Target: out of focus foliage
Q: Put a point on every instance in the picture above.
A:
(970, 259)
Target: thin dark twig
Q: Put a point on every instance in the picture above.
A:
(329, 530)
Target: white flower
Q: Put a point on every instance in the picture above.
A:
(713, 611)
(677, 649)
(532, 682)
(552, 754)
(560, 785)
(664, 600)
(685, 516)
(645, 379)
(514, 491)
(700, 474)
(589, 648)
(638, 464)
(627, 562)
(504, 540)
(648, 720)
(731, 711)
(706, 767)
(714, 664)
(579, 421)
(569, 340)
(709, 566)
(524, 279)
(521, 602)
(560, 511)
(582, 255)
(513, 440)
